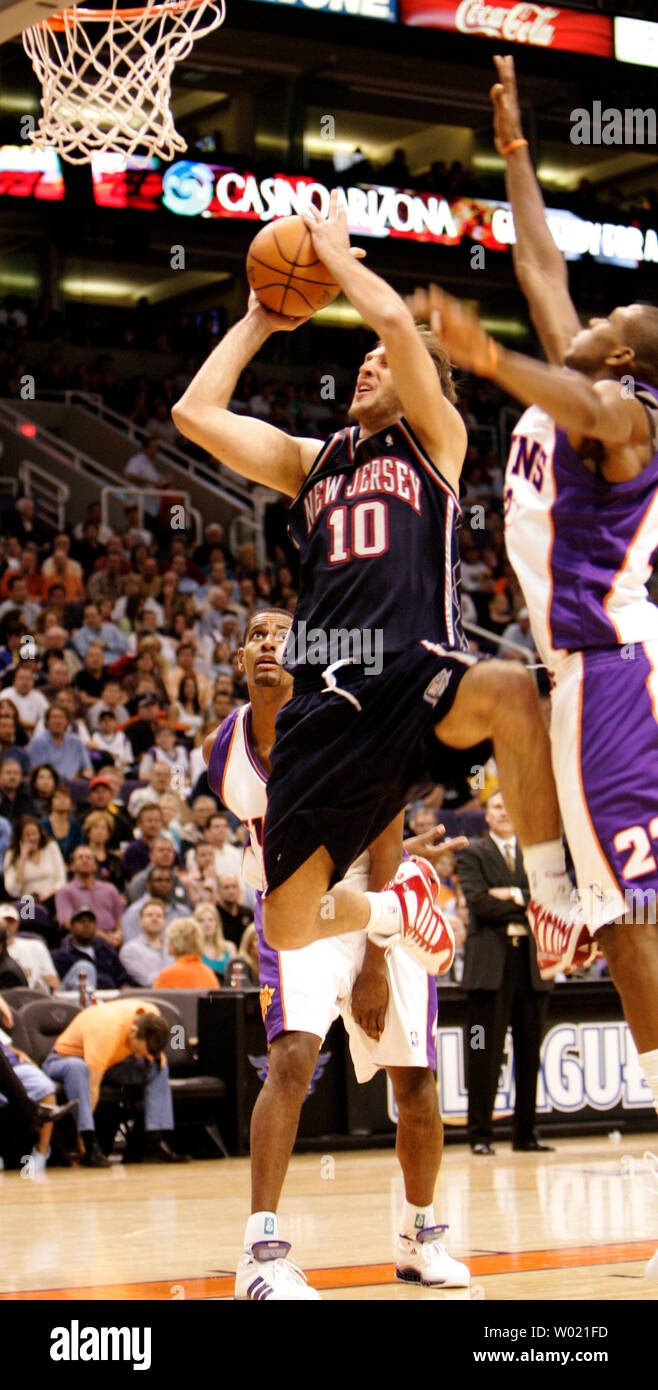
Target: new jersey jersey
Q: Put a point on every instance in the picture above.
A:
(376, 527)
(581, 547)
(235, 775)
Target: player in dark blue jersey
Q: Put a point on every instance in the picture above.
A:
(384, 689)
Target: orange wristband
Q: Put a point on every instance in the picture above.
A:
(513, 145)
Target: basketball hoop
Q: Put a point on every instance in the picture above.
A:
(106, 75)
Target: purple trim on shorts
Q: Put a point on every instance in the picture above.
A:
(619, 757)
(269, 974)
(432, 1016)
(219, 752)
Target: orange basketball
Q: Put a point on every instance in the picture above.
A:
(285, 272)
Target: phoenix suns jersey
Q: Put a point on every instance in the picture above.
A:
(581, 547)
(376, 526)
(235, 775)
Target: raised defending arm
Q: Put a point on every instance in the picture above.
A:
(540, 267)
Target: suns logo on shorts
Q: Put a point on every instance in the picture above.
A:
(437, 686)
(266, 996)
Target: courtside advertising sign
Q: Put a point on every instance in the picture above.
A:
(540, 26)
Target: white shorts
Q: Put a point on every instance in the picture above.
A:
(305, 991)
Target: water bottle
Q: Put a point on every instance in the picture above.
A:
(82, 989)
(239, 975)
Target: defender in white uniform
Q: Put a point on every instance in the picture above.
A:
(304, 991)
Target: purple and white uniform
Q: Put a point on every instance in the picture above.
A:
(582, 550)
(305, 991)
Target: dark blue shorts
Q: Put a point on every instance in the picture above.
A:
(340, 774)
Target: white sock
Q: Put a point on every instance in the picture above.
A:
(262, 1225)
(416, 1219)
(649, 1064)
(546, 868)
(40, 1160)
(385, 914)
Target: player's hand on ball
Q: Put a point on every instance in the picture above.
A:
(430, 844)
(505, 98)
(274, 323)
(369, 1000)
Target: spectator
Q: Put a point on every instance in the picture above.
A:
(234, 918)
(186, 657)
(102, 797)
(519, 632)
(96, 1046)
(43, 783)
(184, 939)
(97, 829)
(186, 712)
(137, 854)
(111, 698)
(30, 704)
(142, 469)
(228, 858)
(163, 856)
(9, 748)
(162, 886)
(109, 739)
(18, 599)
(84, 949)
(140, 730)
(203, 808)
(31, 1093)
(146, 955)
(33, 864)
(59, 747)
(12, 975)
(15, 801)
(30, 952)
(94, 630)
(166, 749)
(61, 824)
(89, 681)
(217, 951)
(86, 888)
(159, 779)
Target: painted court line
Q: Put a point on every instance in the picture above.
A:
(351, 1276)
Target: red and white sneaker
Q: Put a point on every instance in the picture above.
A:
(426, 932)
(563, 941)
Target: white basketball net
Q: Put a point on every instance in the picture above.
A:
(106, 76)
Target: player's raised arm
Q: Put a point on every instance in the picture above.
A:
(540, 267)
(433, 418)
(586, 409)
(250, 447)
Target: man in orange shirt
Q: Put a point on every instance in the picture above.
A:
(122, 1042)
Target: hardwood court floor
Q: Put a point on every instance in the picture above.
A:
(580, 1223)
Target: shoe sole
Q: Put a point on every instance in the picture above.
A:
(410, 1276)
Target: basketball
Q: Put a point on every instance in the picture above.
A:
(285, 272)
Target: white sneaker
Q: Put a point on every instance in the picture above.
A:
(563, 940)
(426, 932)
(264, 1271)
(423, 1259)
(651, 1271)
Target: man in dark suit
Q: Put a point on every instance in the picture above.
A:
(502, 981)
